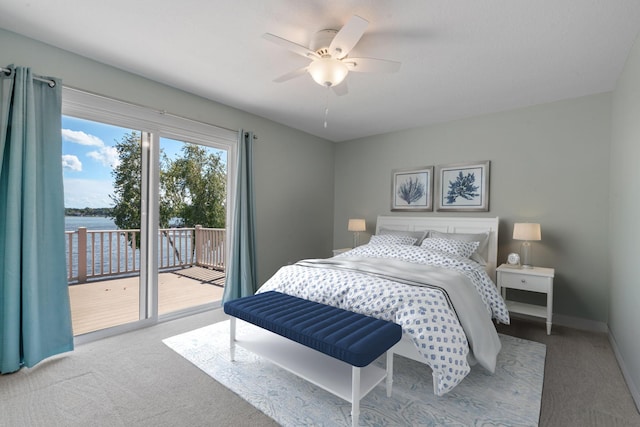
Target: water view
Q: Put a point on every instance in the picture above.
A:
(71, 223)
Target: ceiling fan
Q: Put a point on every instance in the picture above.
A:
(329, 52)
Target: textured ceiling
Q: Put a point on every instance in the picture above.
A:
(460, 58)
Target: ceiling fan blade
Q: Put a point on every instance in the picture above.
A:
(347, 37)
(291, 75)
(293, 47)
(341, 89)
(371, 65)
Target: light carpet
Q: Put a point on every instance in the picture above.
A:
(510, 397)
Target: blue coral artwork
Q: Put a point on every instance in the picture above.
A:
(412, 189)
(463, 186)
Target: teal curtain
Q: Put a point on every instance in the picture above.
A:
(35, 316)
(241, 278)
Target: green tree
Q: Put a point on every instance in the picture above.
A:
(192, 186)
(127, 183)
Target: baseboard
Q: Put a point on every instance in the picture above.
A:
(580, 323)
(568, 321)
(633, 388)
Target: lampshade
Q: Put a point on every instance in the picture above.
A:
(357, 225)
(526, 231)
(328, 71)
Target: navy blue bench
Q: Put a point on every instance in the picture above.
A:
(352, 338)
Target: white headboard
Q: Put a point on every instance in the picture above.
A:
(449, 225)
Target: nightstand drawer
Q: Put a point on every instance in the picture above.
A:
(527, 283)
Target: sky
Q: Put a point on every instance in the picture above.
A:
(88, 157)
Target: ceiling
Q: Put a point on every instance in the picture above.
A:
(460, 58)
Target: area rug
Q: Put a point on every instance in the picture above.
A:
(510, 397)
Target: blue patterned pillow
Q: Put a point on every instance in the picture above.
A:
(392, 239)
(453, 247)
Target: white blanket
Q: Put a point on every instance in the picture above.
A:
(362, 281)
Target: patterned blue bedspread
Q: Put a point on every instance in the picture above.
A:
(425, 313)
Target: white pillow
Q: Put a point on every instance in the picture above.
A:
(392, 239)
(481, 255)
(419, 235)
(450, 246)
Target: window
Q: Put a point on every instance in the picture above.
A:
(161, 238)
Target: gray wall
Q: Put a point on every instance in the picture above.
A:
(549, 164)
(293, 170)
(624, 235)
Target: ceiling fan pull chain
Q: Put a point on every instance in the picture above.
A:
(326, 108)
(326, 113)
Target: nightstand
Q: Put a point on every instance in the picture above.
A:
(340, 251)
(536, 279)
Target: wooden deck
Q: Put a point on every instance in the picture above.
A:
(103, 304)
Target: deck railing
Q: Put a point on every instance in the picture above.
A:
(97, 254)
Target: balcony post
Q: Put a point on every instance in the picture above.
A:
(198, 243)
(82, 254)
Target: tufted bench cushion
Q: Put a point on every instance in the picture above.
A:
(351, 337)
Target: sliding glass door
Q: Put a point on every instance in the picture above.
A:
(146, 200)
(102, 182)
(191, 225)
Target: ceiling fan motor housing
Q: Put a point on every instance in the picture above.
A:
(322, 40)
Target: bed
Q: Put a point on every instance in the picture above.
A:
(432, 275)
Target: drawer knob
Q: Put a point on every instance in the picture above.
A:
(523, 280)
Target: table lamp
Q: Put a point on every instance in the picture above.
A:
(356, 225)
(528, 232)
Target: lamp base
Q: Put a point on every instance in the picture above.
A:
(525, 254)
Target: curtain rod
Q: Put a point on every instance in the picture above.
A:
(50, 82)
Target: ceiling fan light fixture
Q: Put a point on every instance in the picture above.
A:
(328, 72)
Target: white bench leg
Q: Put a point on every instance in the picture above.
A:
(232, 338)
(355, 395)
(389, 372)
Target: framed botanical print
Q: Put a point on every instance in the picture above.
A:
(463, 187)
(411, 189)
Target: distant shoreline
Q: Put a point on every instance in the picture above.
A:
(88, 212)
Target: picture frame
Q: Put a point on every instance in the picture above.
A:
(463, 187)
(412, 189)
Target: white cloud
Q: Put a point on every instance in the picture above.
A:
(69, 161)
(108, 156)
(79, 137)
(87, 193)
